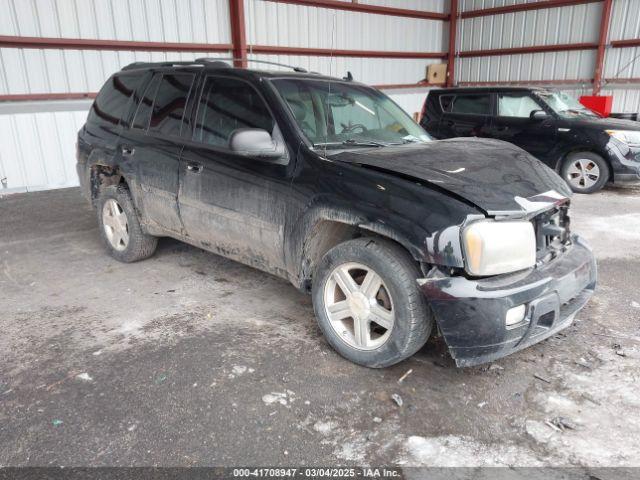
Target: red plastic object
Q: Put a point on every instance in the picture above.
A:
(598, 103)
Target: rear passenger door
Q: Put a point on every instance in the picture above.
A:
(153, 144)
(230, 203)
(465, 115)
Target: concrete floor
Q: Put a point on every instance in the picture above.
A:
(191, 359)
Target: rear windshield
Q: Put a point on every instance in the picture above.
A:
(111, 102)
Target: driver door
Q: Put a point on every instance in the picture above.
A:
(229, 203)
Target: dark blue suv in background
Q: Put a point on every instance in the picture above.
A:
(585, 149)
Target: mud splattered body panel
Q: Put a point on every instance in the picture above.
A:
(281, 215)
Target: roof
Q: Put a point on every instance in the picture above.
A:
(488, 89)
(222, 65)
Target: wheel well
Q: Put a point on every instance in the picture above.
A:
(325, 235)
(588, 150)
(104, 176)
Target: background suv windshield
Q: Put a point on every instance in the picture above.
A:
(338, 114)
(565, 105)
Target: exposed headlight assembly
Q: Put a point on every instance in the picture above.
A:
(628, 137)
(494, 247)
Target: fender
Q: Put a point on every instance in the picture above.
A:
(303, 245)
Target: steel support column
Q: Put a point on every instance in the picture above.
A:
(238, 33)
(602, 43)
(453, 30)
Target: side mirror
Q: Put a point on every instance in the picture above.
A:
(538, 115)
(255, 142)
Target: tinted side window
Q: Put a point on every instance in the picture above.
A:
(472, 104)
(170, 103)
(143, 112)
(519, 106)
(226, 105)
(113, 98)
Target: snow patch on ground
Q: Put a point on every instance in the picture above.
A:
(324, 428)
(283, 398)
(452, 451)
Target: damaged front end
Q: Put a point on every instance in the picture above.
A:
(483, 318)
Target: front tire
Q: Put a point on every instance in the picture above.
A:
(120, 228)
(585, 172)
(368, 304)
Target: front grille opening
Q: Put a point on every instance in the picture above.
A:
(552, 233)
(547, 319)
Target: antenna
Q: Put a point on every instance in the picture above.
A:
(349, 77)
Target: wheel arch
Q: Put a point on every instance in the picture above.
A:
(325, 228)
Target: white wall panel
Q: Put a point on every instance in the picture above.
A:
(411, 100)
(424, 5)
(374, 71)
(570, 65)
(37, 150)
(64, 71)
(622, 63)
(464, 5)
(189, 21)
(575, 24)
(271, 23)
(625, 100)
(625, 20)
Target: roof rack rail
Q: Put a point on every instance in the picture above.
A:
(135, 65)
(217, 59)
(211, 61)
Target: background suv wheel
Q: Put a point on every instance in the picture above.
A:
(585, 172)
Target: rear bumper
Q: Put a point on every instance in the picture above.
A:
(471, 313)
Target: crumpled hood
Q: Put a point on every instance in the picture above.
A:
(496, 176)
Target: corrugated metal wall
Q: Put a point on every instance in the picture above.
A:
(576, 24)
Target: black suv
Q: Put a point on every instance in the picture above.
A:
(329, 184)
(587, 150)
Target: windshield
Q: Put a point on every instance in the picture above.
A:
(565, 105)
(343, 115)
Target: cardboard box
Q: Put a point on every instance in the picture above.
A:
(437, 73)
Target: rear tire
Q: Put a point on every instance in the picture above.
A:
(585, 172)
(384, 317)
(120, 228)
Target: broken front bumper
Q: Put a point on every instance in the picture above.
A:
(471, 313)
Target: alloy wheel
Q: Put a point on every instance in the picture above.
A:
(115, 224)
(583, 173)
(359, 306)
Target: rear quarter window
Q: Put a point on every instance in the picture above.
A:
(471, 104)
(112, 101)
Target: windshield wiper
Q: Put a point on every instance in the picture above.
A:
(583, 111)
(353, 143)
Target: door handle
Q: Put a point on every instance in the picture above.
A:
(194, 167)
(128, 151)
